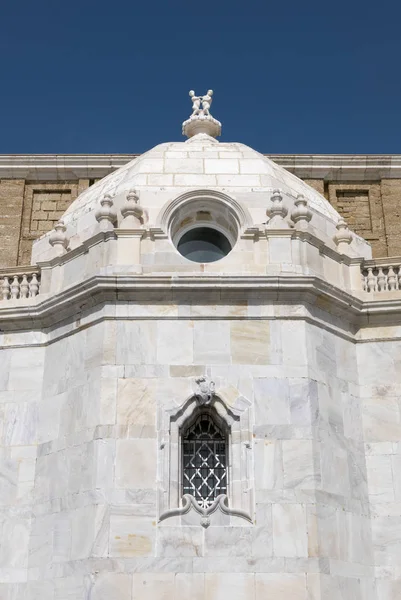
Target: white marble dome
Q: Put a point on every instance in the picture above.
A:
(227, 183)
(200, 162)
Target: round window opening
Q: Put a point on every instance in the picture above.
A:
(204, 245)
(204, 228)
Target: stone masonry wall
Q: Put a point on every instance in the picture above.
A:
(29, 209)
(371, 208)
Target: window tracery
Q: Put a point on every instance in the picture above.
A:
(204, 460)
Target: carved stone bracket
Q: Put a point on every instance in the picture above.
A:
(220, 503)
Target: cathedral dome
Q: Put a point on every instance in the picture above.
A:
(201, 163)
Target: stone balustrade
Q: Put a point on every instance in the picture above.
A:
(19, 283)
(382, 275)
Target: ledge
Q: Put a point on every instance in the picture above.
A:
(347, 312)
(330, 167)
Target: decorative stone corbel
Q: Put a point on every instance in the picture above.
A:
(205, 390)
(343, 237)
(106, 214)
(301, 214)
(277, 212)
(58, 238)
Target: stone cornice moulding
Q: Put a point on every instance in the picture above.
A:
(253, 232)
(335, 167)
(61, 167)
(346, 310)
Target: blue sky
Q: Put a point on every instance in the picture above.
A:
(113, 77)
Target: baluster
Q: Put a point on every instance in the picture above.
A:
(15, 288)
(391, 280)
(364, 282)
(5, 289)
(399, 277)
(24, 287)
(381, 280)
(371, 280)
(33, 286)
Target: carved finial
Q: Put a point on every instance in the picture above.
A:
(206, 389)
(301, 214)
(131, 211)
(106, 214)
(277, 211)
(343, 237)
(58, 238)
(201, 121)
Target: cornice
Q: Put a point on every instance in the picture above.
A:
(327, 306)
(60, 167)
(330, 167)
(341, 167)
(46, 311)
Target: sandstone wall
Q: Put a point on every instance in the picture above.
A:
(28, 210)
(371, 208)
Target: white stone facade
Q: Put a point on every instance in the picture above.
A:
(100, 370)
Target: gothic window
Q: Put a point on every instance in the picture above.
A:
(204, 460)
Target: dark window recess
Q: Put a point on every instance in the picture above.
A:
(204, 461)
(204, 244)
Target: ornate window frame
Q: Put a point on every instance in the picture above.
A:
(235, 418)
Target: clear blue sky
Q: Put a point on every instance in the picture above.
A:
(113, 77)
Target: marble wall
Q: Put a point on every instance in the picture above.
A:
(81, 459)
(380, 387)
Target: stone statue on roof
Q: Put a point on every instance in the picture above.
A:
(198, 101)
(201, 121)
(206, 102)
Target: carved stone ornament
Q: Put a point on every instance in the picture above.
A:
(301, 214)
(106, 214)
(131, 211)
(277, 211)
(58, 238)
(343, 237)
(205, 391)
(201, 121)
(220, 503)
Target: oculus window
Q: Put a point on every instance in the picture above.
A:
(203, 245)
